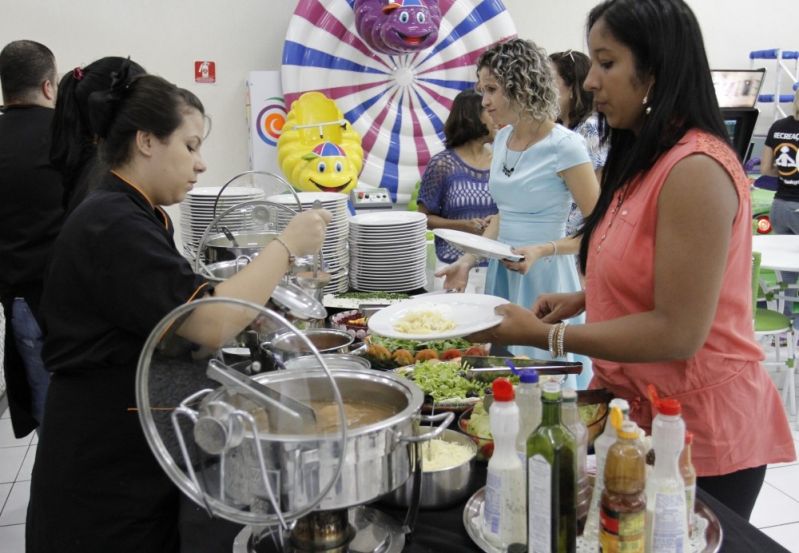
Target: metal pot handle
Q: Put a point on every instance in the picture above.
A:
(447, 419)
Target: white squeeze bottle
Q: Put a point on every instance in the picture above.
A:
(666, 518)
(601, 446)
(505, 510)
(528, 398)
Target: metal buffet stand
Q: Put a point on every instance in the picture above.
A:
(271, 450)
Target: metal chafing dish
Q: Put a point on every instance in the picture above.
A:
(273, 450)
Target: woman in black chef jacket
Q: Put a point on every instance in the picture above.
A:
(116, 272)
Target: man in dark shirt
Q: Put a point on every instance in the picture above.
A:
(30, 219)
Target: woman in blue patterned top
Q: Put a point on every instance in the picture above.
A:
(454, 191)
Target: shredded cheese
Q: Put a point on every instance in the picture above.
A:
(440, 454)
(423, 322)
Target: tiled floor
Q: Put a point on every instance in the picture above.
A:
(16, 461)
(776, 511)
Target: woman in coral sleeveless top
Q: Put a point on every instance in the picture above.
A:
(667, 253)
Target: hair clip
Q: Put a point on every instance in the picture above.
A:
(78, 73)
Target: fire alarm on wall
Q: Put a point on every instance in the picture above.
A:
(204, 72)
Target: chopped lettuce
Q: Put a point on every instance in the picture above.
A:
(443, 380)
(478, 423)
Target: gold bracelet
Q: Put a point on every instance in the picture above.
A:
(288, 251)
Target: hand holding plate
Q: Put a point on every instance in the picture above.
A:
(519, 327)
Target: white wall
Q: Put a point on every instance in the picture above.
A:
(166, 36)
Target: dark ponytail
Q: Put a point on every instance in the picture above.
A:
(142, 103)
(73, 139)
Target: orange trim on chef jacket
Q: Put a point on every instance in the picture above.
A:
(136, 188)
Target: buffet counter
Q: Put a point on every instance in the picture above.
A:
(443, 531)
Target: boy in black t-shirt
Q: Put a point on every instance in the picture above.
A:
(781, 159)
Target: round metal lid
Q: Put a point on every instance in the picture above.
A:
(297, 302)
(214, 417)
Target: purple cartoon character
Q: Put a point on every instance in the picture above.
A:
(399, 26)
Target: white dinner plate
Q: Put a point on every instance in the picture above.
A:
(388, 218)
(308, 198)
(477, 245)
(470, 313)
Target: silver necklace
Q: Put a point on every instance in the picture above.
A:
(509, 170)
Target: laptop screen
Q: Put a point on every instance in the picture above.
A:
(737, 88)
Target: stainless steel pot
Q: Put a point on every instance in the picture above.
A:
(444, 487)
(327, 340)
(377, 457)
(333, 360)
(220, 248)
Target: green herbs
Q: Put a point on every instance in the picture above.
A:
(393, 344)
(373, 296)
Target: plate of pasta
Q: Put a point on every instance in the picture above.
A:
(437, 317)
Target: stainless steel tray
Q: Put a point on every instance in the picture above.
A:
(707, 520)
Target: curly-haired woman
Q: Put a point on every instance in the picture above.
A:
(537, 168)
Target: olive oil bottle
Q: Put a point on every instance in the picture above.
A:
(551, 480)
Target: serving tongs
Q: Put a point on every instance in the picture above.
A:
(276, 405)
(490, 367)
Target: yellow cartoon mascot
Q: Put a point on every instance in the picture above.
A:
(318, 149)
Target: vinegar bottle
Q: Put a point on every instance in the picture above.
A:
(571, 418)
(528, 398)
(623, 503)
(689, 477)
(504, 512)
(551, 480)
(666, 514)
(601, 446)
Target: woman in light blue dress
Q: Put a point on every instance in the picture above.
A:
(536, 170)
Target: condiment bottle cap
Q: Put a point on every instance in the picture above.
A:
(569, 394)
(503, 390)
(551, 387)
(622, 404)
(628, 430)
(689, 438)
(528, 376)
(668, 407)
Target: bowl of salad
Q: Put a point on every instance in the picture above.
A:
(592, 406)
(444, 385)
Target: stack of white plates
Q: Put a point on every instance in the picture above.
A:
(334, 249)
(197, 212)
(388, 251)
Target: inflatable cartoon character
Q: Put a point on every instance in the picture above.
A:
(327, 168)
(318, 149)
(399, 26)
